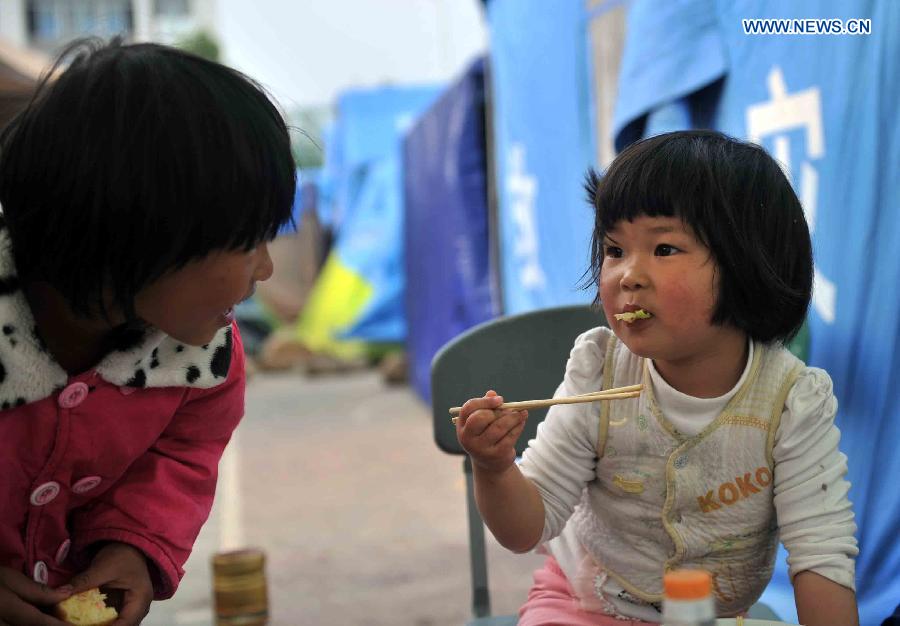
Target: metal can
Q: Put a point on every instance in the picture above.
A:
(239, 588)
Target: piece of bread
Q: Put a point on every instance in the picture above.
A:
(87, 608)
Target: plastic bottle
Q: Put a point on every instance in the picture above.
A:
(688, 599)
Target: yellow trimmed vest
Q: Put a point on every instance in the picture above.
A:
(662, 500)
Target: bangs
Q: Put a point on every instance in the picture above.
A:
(658, 181)
(224, 177)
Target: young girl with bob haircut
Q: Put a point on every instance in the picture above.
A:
(139, 189)
(731, 444)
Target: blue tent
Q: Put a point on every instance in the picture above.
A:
(369, 126)
(359, 294)
(543, 147)
(448, 274)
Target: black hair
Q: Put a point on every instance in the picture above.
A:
(738, 202)
(135, 160)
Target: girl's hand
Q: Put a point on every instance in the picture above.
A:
(20, 596)
(489, 434)
(123, 568)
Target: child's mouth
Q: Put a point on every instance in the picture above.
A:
(228, 314)
(629, 317)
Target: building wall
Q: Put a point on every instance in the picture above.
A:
(49, 24)
(168, 21)
(12, 22)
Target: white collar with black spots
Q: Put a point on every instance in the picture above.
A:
(149, 359)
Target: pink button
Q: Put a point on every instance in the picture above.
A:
(86, 484)
(63, 551)
(45, 493)
(40, 572)
(73, 395)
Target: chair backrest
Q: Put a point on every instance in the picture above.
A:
(521, 357)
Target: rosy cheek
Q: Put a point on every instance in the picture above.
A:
(683, 303)
(608, 296)
(608, 281)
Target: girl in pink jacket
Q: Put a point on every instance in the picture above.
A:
(139, 189)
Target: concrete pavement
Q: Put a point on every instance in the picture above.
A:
(362, 518)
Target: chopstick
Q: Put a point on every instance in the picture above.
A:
(618, 393)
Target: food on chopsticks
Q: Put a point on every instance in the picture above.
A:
(87, 608)
(630, 316)
(618, 393)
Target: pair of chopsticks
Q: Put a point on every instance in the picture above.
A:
(618, 393)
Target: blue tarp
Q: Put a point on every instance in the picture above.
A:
(449, 285)
(826, 107)
(305, 198)
(371, 246)
(368, 125)
(367, 199)
(543, 146)
(327, 179)
(661, 65)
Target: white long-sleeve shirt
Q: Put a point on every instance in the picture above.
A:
(814, 515)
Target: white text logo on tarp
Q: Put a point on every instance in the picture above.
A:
(784, 112)
(522, 188)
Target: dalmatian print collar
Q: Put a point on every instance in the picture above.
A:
(145, 358)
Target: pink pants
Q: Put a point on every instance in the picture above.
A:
(552, 602)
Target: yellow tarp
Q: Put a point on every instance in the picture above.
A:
(335, 303)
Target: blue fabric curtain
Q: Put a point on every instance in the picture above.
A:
(448, 274)
(543, 146)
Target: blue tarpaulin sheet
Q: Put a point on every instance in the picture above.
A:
(543, 147)
(305, 198)
(368, 125)
(368, 180)
(371, 246)
(826, 107)
(449, 285)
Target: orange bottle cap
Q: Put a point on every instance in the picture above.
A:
(687, 584)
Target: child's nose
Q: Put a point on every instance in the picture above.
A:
(633, 276)
(265, 266)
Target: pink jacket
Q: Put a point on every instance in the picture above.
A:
(125, 452)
